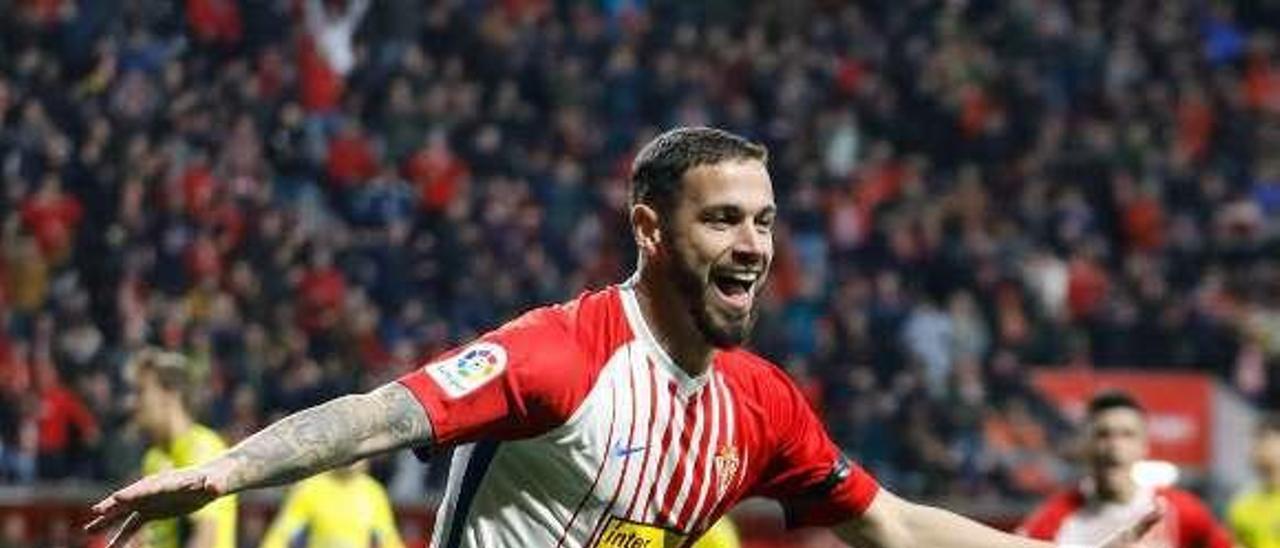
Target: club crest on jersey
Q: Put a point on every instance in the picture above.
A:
(726, 464)
(469, 369)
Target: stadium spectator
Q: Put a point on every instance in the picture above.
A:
(61, 413)
(1253, 513)
(1112, 492)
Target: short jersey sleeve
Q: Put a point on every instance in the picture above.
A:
(1197, 524)
(1044, 522)
(518, 381)
(816, 484)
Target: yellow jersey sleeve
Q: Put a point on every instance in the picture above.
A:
(293, 518)
(196, 446)
(199, 446)
(384, 523)
(721, 535)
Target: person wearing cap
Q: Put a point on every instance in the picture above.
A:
(162, 384)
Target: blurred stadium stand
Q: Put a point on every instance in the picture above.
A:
(968, 188)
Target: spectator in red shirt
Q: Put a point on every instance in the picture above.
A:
(321, 292)
(1087, 285)
(320, 87)
(61, 412)
(437, 174)
(198, 187)
(52, 217)
(351, 159)
(215, 21)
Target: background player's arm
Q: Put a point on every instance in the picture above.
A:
(891, 522)
(384, 523)
(291, 519)
(332, 434)
(204, 533)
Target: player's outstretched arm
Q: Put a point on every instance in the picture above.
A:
(891, 522)
(328, 435)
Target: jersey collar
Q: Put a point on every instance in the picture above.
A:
(635, 318)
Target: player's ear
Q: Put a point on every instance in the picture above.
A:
(647, 230)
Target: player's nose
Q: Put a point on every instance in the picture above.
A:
(750, 244)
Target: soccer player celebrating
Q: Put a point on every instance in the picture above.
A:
(1254, 515)
(162, 383)
(1110, 496)
(628, 417)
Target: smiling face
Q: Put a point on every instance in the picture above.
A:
(719, 245)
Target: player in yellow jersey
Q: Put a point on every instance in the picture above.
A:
(1254, 515)
(161, 383)
(343, 508)
(721, 535)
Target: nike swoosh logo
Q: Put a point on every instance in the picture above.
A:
(620, 451)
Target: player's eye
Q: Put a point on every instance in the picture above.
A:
(722, 218)
(764, 223)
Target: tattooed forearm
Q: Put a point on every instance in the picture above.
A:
(326, 436)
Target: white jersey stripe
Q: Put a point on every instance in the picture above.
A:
(670, 451)
(637, 447)
(730, 440)
(613, 411)
(691, 458)
(650, 399)
(660, 423)
(710, 449)
(457, 467)
(742, 453)
(663, 440)
(611, 453)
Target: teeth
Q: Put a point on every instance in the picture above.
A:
(743, 277)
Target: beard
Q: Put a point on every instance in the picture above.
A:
(693, 289)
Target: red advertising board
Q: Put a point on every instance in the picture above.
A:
(1179, 406)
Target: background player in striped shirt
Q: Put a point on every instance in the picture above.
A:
(1110, 494)
(628, 417)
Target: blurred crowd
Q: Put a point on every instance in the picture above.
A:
(306, 197)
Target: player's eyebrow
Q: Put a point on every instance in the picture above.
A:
(732, 207)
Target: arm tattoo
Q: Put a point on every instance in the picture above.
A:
(328, 435)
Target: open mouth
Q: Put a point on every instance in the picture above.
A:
(735, 287)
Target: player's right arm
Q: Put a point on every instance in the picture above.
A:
(820, 487)
(892, 522)
(331, 434)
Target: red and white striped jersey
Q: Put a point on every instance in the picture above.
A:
(573, 427)
(1075, 518)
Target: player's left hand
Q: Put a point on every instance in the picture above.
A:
(164, 495)
(1129, 536)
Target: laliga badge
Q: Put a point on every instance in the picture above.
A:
(469, 369)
